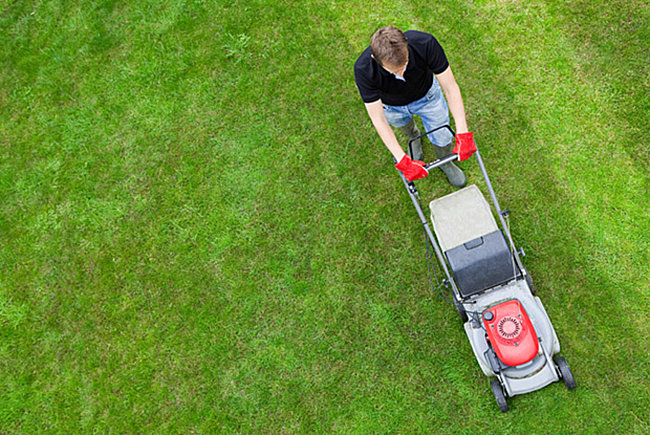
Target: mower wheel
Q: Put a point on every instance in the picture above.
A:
(531, 286)
(565, 372)
(499, 395)
(461, 311)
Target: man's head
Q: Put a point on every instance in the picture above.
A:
(390, 49)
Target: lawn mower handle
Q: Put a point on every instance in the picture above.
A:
(442, 161)
(439, 162)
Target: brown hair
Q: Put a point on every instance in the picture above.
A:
(389, 46)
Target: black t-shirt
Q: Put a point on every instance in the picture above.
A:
(426, 57)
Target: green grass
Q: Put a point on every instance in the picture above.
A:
(201, 232)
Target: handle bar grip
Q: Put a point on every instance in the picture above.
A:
(442, 161)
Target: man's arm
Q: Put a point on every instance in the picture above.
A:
(386, 133)
(454, 98)
(412, 169)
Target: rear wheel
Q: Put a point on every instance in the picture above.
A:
(499, 395)
(565, 372)
(531, 286)
(461, 311)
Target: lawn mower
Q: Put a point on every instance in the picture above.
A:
(511, 335)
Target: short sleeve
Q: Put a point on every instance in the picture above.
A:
(368, 92)
(436, 58)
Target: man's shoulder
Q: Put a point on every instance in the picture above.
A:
(365, 75)
(364, 60)
(417, 36)
(364, 67)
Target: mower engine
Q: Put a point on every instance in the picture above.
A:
(511, 333)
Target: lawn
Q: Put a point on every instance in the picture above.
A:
(200, 231)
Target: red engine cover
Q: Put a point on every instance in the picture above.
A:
(511, 333)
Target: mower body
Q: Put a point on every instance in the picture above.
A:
(512, 336)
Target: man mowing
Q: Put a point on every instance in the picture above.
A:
(403, 74)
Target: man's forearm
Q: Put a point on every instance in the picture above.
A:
(387, 136)
(457, 108)
(454, 99)
(386, 133)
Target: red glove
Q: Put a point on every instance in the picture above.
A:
(412, 169)
(465, 146)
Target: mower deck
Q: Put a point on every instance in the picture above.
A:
(528, 377)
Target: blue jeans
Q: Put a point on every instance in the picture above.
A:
(433, 111)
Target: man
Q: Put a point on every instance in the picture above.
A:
(395, 77)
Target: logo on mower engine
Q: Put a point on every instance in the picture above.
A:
(509, 327)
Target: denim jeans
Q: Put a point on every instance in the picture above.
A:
(432, 109)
